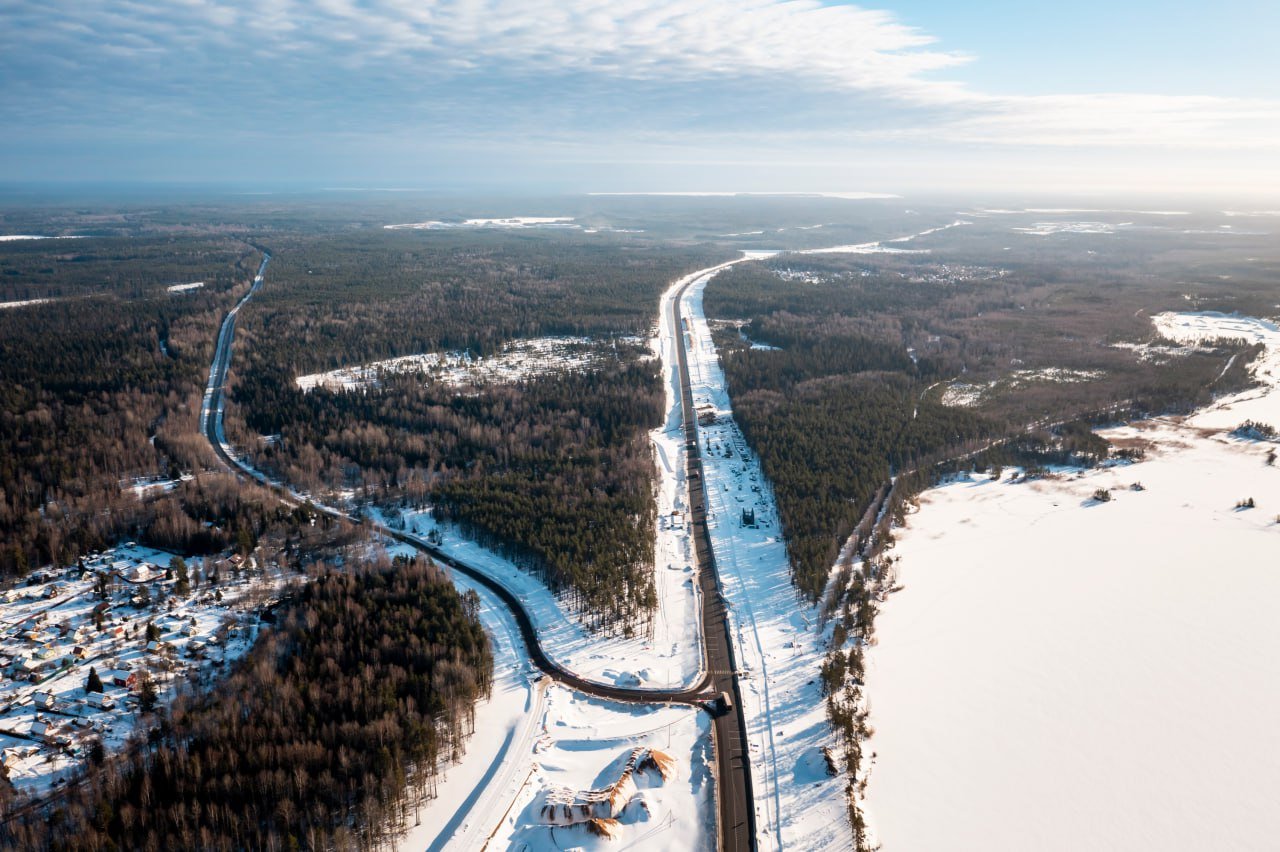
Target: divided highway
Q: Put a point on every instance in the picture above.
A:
(736, 812)
(737, 817)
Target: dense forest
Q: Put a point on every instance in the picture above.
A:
(131, 268)
(866, 345)
(554, 469)
(97, 389)
(326, 735)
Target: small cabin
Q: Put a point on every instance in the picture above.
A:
(100, 700)
(44, 729)
(125, 680)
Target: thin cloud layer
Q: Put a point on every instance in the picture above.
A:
(553, 70)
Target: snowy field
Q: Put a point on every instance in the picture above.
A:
(1115, 690)
(1049, 229)
(1259, 404)
(967, 395)
(183, 288)
(583, 744)
(22, 303)
(519, 359)
(510, 222)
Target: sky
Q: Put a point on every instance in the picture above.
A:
(1159, 97)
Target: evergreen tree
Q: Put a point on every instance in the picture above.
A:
(148, 695)
(178, 567)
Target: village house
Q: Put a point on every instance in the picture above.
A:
(125, 680)
(44, 729)
(100, 700)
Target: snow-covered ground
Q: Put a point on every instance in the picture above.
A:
(776, 637)
(1046, 229)
(583, 744)
(1064, 673)
(493, 769)
(884, 246)
(22, 303)
(1259, 404)
(141, 486)
(518, 360)
(669, 658)
(679, 620)
(516, 222)
(966, 394)
(9, 238)
(532, 735)
(182, 288)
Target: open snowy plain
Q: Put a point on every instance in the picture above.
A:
(1061, 673)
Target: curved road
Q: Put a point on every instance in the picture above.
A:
(736, 817)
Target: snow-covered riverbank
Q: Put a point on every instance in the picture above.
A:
(1064, 673)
